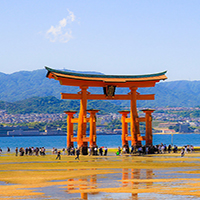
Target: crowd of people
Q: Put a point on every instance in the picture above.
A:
(102, 151)
(95, 151)
(153, 149)
(71, 151)
(28, 151)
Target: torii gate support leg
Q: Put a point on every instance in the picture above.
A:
(148, 120)
(70, 128)
(93, 136)
(124, 127)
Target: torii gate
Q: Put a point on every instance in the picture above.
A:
(109, 84)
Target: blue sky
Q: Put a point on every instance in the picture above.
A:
(112, 37)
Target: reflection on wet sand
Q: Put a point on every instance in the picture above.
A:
(82, 184)
(86, 185)
(94, 182)
(136, 184)
(128, 174)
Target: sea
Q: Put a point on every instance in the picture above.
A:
(109, 141)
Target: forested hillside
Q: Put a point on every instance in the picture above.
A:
(27, 84)
(54, 105)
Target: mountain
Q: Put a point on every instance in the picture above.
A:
(174, 93)
(27, 84)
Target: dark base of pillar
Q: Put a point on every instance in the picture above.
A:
(84, 150)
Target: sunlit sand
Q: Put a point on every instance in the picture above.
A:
(162, 176)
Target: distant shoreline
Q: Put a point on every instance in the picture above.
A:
(173, 133)
(49, 135)
(176, 133)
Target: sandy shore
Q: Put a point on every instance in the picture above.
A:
(43, 177)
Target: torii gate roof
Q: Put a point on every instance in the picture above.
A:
(99, 80)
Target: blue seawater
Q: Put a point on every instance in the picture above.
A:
(110, 141)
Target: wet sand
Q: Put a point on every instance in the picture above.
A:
(159, 176)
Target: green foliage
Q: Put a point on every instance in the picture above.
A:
(176, 127)
(184, 114)
(53, 105)
(114, 124)
(171, 127)
(195, 113)
(42, 125)
(41, 105)
(105, 107)
(191, 129)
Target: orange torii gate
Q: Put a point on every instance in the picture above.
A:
(109, 84)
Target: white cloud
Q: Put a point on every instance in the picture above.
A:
(60, 32)
(71, 15)
(63, 22)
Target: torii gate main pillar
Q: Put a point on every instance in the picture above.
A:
(82, 117)
(135, 129)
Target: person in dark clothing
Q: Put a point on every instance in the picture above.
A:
(16, 151)
(175, 149)
(37, 151)
(182, 152)
(101, 151)
(68, 151)
(26, 151)
(58, 155)
(21, 150)
(169, 148)
(77, 154)
(105, 151)
(30, 151)
(8, 149)
(127, 149)
(144, 149)
(132, 149)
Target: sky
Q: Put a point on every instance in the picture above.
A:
(112, 37)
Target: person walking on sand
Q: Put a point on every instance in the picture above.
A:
(77, 154)
(8, 149)
(63, 151)
(58, 155)
(105, 151)
(89, 151)
(16, 151)
(101, 151)
(169, 148)
(182, 152)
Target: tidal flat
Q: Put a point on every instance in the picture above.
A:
(156, 176)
